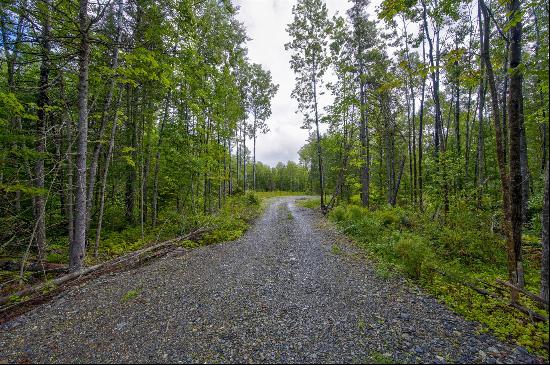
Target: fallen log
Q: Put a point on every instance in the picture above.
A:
(532, 314)
(106, 266)
(525, 292)
(12, 265)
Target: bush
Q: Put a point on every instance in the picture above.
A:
(355, 213)
(389, 216)
(338, 214)
(252, 198)
(416, 255)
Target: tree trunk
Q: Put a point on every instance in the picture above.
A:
(69, 193)
(420, 133)
(42, 104)
(104, 177)
(244, 159)
(131, 170)
(544, 239)
(514, 117)
(157, 161)
(254, 158)
(78, 246)
(364, 136)
(104, 115)
(480, 168)
(435, 81)
(524, 167)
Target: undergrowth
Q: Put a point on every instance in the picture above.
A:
(439, 255)
(227, 224)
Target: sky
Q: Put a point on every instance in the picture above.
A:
(265, 22)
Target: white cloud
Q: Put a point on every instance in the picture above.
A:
(265, 22)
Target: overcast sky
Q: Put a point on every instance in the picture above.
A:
(265, 22)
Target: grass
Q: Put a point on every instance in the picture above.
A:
(336, 249)
(272, 194)
(131, 294)
(229, 223)
(311, 203)
(405, 242)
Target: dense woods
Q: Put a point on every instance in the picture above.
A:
(123, 118)
(439, 120)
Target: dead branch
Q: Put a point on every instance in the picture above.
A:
(532, 314)
(122, 261)
(527, 293)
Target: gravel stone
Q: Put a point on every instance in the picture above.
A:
(279, 294)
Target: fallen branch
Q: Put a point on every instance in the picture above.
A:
(532, 314)
(106, 266)
(527, 293)
(10, 265)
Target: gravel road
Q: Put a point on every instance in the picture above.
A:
(290, 290)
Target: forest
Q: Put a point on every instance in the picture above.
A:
(125, 123)
(436, 153)
(129, 117)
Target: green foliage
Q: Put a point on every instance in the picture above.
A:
(415, 254)
(464, 248)
(309, 203)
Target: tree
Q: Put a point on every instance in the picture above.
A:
(309, 32)
(262, 90)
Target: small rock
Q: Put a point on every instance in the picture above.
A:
(482, 355)
(405, 316)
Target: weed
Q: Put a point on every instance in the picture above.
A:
(131, 294)
(378, 358)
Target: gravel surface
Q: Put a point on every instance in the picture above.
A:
(290, 290)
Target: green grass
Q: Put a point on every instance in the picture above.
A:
(310, 202)
(272, 194)
(131, 294)
(405, 242)
(335, 249)
(378, 358)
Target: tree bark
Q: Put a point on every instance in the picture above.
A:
(104, 115)
(514, 117)
(42, 104)
(104, 177)
(78, 246)
(544, 239)
(319, 153)
(157, 161)
(421, 132)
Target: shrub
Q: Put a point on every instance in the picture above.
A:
(415, 254)
(338, 214)
(252, 198)
(388, 217)
(355, 213)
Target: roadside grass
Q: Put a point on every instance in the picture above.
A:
(272, 194)
(440, 256)
(227, 224)
(131, 294)
(310, 202)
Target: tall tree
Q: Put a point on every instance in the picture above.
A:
(309, 32)
(262, 90)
